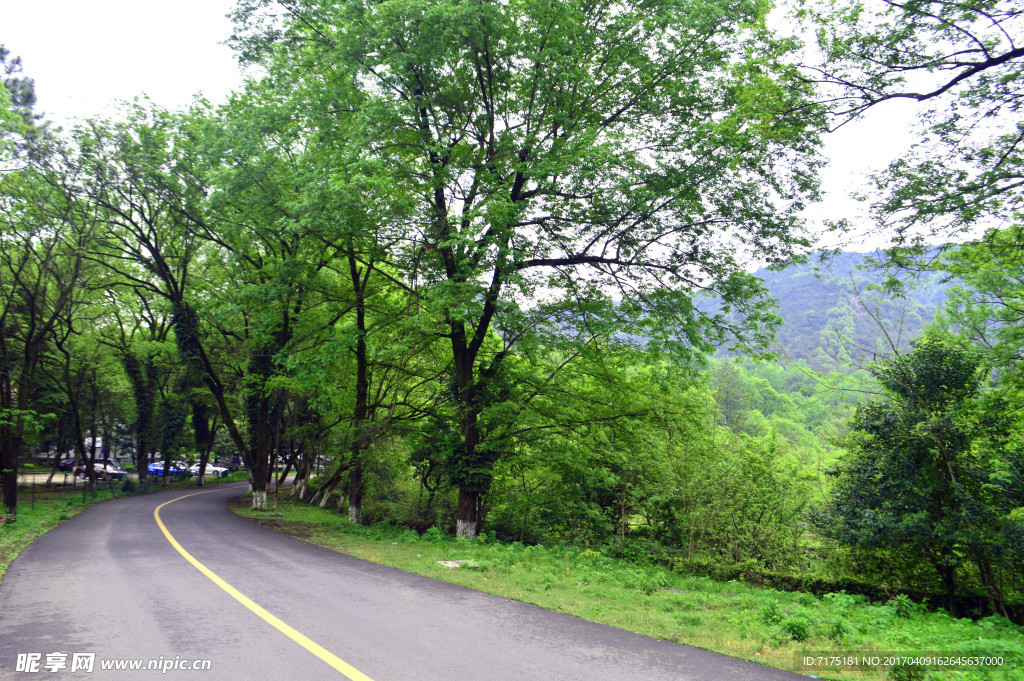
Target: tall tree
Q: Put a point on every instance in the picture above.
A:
(44, 236)
(20, 125)
(256, 214)
(985, 305)
(141, 175)
(136, 334)
(568, 154)
(934, 469)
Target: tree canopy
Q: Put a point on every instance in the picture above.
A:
(964, 63)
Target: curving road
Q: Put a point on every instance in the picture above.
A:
(109, 588)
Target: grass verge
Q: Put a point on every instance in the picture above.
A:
(779, 629)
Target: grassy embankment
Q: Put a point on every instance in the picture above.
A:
(767, 626)
(44, 508)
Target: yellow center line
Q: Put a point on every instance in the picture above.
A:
(327, 656)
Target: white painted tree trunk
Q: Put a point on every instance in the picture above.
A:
(355, 514)
(465, 529)
(259, 500)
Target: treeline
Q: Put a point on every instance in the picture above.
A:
(402, 228)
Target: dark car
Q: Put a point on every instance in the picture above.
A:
(66, 465)
(111, 471)
(231, 465)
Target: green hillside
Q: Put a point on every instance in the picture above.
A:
(834, 316)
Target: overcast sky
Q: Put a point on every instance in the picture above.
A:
(86, 54)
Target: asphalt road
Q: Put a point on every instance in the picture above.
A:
(109, 586)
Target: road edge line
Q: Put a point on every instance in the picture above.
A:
(313, 647)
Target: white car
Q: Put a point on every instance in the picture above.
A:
(211, 470)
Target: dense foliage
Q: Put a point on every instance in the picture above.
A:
(936, 470)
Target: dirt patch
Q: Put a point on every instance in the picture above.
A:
(455, 564)
(292, 528)
(297, 530)
(242, 502)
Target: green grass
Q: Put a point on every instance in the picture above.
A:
(763, 625)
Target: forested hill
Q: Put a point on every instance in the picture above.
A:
(831, 314)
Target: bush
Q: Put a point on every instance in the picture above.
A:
(436, 535)
(771, 612)
(797, 627)
(904, 607)
(837, 630)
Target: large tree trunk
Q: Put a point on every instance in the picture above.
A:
(948, 573)
(10, 442)
(467, 520)
(260, 466)
(355, 490)
(141, 377)
(361, 411)
(203, 438)
(468, 517)
(259, 407)
(191, 349)
(11, 430)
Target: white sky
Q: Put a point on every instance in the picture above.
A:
(855, 150)
(86, 54)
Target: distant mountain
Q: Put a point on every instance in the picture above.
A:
(832, 316)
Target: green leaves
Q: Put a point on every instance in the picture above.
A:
(930, 470)
(985, 306)
(960, 61)
(539, 135)
(563, 169)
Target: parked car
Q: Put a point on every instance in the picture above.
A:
(66, 465)
(229, 464)
(212, 470)
(176, 468)
(111, 471)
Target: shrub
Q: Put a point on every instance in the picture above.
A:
(797, 627)
(837, 630)
(904, 607)
(435, 535)
(771, 612)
